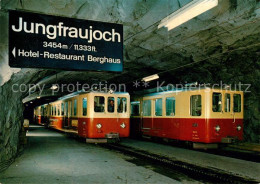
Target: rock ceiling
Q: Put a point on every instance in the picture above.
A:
(202, 44)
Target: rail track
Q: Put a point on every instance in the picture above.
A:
(193, 171)
(237, 153)
(242, 151)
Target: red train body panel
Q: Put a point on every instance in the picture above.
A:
(87, 127)
(39, 119)
(56, 122)
(184, 129)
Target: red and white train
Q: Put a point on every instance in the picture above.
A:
(96, 116)
(198, 115)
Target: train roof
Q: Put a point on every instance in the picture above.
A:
(86, 92)
(178, 90)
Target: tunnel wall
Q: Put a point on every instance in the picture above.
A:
(11, 106)
(11, 118)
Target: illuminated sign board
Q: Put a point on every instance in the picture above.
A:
(44, 41)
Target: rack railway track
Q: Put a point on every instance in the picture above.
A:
(193, 171)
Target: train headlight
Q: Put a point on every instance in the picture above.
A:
(123, 125)
(99, 125)
(217, 128)
(239, 127)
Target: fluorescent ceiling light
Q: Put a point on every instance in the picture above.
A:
(187, 12)
(54, 86)
(38, 97)
(150, 78)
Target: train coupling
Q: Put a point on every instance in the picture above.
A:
(227, 140)
(96, 141)
(204, 146)
(109, 138)
(112, 136)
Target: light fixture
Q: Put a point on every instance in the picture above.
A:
(54, 86)
(38, 97)
(150, 78)
(111, 91)
(123, 125)
(187, 12)
(99, 125)
(239, 127)
(217, 128)
(31, 102)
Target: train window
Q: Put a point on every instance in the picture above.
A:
(217, 102)
(147, 107)
(51, 110)
(195, 105)
(170, 106)
(158, 107)
(84, 106)
(75, 108)
(135, 108)
(110, 104)
(58, 107)
(55, 110)
(237, 103)
(121, 104)
(227, 102)
(99, 104)
(62, 109)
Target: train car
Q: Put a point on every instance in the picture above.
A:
(198, 115)
(37, 115)
(96, 116)
(45, 114)
(41, 114)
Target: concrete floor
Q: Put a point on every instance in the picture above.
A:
(51, 157)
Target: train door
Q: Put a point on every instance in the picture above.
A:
(135, 125)
(237, 106)
(63, 114)
(42, 115)
(122, 106)
(146, 115)
(227, 105)
(232, 105)
(122, 111)
(45, 110)
(157, 115)
(66, 115)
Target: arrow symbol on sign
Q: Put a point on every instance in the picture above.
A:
(13, 52)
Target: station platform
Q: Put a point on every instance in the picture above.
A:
(242, 168)
(52, 157)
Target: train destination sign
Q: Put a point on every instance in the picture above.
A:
(44, 41)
